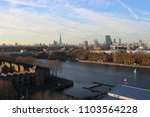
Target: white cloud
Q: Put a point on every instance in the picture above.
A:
(145, 16)
(74, 23)
(110, 23)
(33, 3)
(17, 25)
(128, 8)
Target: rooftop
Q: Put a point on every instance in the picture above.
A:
(129, 93)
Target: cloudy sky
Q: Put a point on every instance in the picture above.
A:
(41, 21)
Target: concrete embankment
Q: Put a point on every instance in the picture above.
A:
(114, 64)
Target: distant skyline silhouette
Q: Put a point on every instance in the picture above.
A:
(36, 21)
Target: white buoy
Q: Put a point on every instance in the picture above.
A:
(125, 81)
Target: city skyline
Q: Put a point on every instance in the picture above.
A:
(29, 22)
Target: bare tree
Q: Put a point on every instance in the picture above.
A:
(7, 90)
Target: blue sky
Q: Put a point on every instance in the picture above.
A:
(41, 21)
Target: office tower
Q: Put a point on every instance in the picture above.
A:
(119, 41)
(85, 45)
(60, 41)
(95, 44)
(114, 41)
(55, 43)
(108, 42)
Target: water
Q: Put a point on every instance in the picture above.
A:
(84, 74)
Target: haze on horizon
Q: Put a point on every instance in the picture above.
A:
(41, 21)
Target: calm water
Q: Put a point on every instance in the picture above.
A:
(84, 74)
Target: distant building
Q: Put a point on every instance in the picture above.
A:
(85, 45)
(60, 41)
(140, 42)
(119, 41)
(40, 45)
(108, 42)
(142, 47)
(16, 44)
(114, 42)
(129, 49)
(80, 46)
(95, 44)
(4, 44)
(113, 47)
(55, 43)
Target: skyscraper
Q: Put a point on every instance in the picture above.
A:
(95, 44)
(114, 42)
(55, 43)
(119, 41)
(108, 42)
(60, 41)
(85, 45)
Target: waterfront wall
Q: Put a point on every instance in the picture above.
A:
(115, 64)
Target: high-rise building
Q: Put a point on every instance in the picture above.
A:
(119, 41)
(108, 42)
(95, 44)
(55, 43)
(114, 42)
(60, 41)
(140, 42)
(85, 45)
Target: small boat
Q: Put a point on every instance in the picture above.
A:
(125, 81)
(135, 71)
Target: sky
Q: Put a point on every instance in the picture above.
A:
(42, 21)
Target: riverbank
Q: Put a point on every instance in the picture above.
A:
(114, 64)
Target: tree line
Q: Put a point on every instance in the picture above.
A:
(138, 58)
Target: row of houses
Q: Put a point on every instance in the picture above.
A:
(26, 78)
